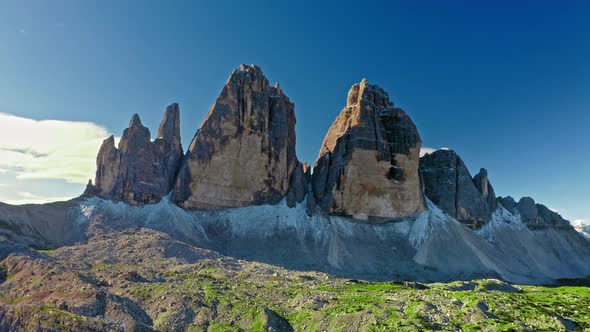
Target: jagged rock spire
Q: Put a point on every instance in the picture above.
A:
(244, 152)
(170, 126)
(368, 162)
(448, 184)
(139, 170)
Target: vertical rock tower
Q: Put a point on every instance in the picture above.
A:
(368, 163)
(244, 152)
(140, 171)
(448, 184)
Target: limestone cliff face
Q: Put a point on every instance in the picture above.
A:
(449, 185)
(534, 216)
(140, 171)
(368, 163)
(244, 152)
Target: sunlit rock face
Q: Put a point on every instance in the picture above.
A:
(140, 171)
(368, 162)
(244, 152)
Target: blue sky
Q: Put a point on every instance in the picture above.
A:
(504, 83)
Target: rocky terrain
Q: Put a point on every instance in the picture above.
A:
(143, 280)
(238, 234)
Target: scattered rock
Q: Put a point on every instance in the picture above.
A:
(272, 322)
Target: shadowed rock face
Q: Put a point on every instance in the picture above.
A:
(449, 185)
(368, 163)
(244, 152)
(537, 216)
(140, 171)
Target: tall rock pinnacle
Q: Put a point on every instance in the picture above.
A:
(244, 152)
(368, 162)
(448, 184)
(140, 171)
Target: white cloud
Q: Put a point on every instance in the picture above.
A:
(26, 194)
(426, 150)
(37, 200)
(581, 222)
(49, 149)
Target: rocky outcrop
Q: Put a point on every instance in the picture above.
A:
(448, 184)
(140, 171)
(508, 203)
(368, 163)
(534, 216)
(486, 190)
(244, 152)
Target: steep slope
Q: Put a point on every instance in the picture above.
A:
(368, 162)
(144, 280)
(244, 152)
(430, 247)
(449, 185)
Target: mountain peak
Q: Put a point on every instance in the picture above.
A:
(170, 126)
(135, 121)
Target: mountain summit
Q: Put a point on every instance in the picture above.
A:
(244, 152)
(370, 207)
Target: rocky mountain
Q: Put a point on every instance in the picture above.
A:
(370, 207)
(368, 162)
(244, 152)
(448, 183)
(140, 171)
(533, 215)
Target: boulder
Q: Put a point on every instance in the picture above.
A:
(244, 152)
(139, 171)
(448, 184)
(368, 163)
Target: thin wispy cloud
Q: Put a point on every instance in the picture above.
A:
(49, 149)
(24, 197)
(426, 150)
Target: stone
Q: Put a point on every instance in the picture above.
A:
(551, 218)
(508, 203)
(527, 209)
(368, 163)
(485, 188)
(448, 184)
(140, 171)
(538, 216)
(298, 186)
(244, 152)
